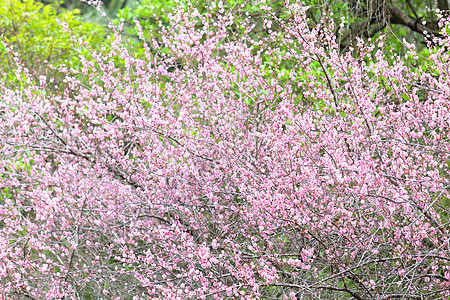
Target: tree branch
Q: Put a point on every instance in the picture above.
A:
(400, 18)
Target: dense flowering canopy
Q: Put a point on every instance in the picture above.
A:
(276, 168)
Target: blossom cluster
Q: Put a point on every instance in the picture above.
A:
(277, 168)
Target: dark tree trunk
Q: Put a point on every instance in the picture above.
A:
(443, 4)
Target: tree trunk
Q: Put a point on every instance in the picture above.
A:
(443, 4)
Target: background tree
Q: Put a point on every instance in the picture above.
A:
(35, 37)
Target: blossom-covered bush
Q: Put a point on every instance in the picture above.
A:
(225, 179)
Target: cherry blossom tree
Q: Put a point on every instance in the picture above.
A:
(275, 168)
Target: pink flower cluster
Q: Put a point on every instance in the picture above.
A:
(276, 168)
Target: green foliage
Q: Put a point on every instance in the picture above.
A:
(31, 29)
